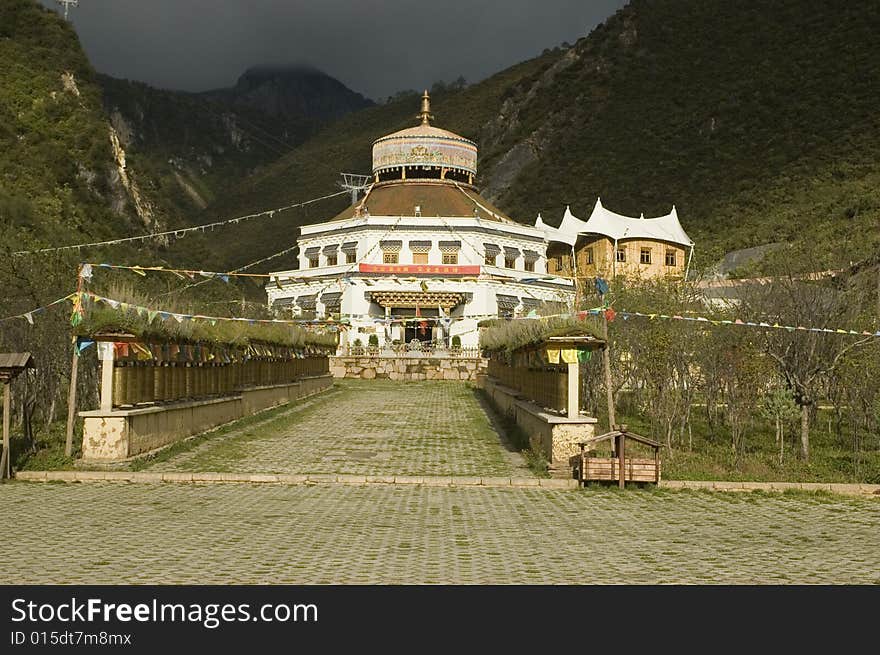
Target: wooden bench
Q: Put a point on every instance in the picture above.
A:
(608, 469)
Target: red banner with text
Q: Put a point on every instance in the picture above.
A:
(419, 269)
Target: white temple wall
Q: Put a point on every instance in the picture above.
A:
(472, 251)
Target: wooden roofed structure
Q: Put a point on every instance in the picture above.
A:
(617, 467)
(11, 366)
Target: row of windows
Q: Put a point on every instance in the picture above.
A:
(451, 259)
(509, 262)
(393, 257)
(349, 257)
(645, 257)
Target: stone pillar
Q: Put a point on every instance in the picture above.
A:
(573, 389)
(105, 354)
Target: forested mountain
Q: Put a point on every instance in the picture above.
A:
(87, 157)
(757, 120)
(60, 177)
(196, 144)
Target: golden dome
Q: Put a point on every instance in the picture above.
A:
(425, 151)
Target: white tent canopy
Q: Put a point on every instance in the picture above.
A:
(617, 227)
(554, 234)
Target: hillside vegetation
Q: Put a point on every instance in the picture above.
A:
(193, 145)
(58, 175)
(757, 120)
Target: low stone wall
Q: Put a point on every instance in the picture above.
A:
(553, 435)
(123, 433)
(415, 367)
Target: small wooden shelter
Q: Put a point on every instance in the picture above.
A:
(11, 366)
(617, 467)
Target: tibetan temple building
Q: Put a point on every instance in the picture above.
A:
(422, 256)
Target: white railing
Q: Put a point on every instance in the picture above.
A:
(413, 349)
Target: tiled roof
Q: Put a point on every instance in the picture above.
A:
(434, 199)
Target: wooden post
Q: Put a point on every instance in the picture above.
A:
(6, 460)
(657, 465)
(71, 401)
(573, 389)
(606, 361)
(622, 453)
(105, 354)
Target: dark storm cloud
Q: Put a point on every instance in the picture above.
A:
(376, 47)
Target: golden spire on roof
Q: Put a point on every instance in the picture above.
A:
(425, 113)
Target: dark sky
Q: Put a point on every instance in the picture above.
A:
(376, 47)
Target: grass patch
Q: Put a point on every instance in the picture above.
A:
(710, 457)
(46, 452)
(517, 438)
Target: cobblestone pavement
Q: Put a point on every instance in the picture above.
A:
(376, 427)
(230, 533)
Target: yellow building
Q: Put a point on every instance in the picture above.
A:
(609, 245)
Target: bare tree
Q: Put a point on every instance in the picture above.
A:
(810, 348)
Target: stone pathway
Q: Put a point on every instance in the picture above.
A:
(107, 532)
(375, 427)
(342, 500)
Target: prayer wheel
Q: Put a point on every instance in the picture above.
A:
(179, 380)
(198, 380)
(171, 387)
(160, 381)
(135, 383)
(119, 384)
(147, 382)
(562, 390)
(129, 389)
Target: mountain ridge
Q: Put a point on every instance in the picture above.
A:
(756, 120)
(298, 89)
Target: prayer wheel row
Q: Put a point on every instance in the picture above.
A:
(143, 382)
(547, 388)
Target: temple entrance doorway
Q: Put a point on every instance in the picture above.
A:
(421, 329)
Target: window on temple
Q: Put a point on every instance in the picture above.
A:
(450, 258)
(420, 258)
(530, 266)
(349, 251)
(491, 254)
(314, 262)
(509, 261)
(558, 263)
(645, 256)
(590, 255)
(332, 259)
(670, 258)
(390, 257)
(620, 255)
